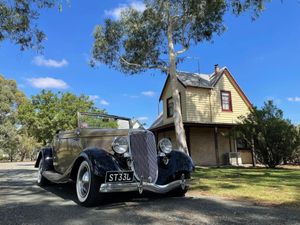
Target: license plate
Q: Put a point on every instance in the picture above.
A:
(119, 176)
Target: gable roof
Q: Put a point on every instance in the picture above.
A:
(198, 80)
(158, 121)
(194, 79)
(209, 81)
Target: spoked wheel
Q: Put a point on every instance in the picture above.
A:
(41, 180)
(87, 186)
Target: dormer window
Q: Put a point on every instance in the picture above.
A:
(170, 107)
(226, 101)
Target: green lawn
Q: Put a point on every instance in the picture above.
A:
(261, 185)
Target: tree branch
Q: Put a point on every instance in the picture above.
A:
(185, 43)
(182, 51)
(162, 68)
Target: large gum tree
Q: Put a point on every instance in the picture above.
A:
(166, 29)
(18, 22)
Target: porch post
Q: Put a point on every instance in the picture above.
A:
(216, 145)
(230, 143)
(236, 151)
(188, 139)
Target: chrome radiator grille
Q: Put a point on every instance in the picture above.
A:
(144, 155)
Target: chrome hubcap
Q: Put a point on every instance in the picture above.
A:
(83, 182)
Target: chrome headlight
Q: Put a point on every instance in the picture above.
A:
(165, 145)
(120, 145)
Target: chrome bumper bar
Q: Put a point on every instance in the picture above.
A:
(141, 186)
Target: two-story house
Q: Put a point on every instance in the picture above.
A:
(211, 106)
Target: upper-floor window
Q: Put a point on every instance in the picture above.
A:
(226, 101)
(170, 107)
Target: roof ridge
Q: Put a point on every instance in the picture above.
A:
(192, 73)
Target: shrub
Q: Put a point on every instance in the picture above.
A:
(275, 138)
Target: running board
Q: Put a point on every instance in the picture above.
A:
(55, 177)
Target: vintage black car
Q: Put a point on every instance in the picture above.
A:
(108, 154)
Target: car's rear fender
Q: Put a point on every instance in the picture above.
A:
(178, 163)
(100, 162)
(45, 154)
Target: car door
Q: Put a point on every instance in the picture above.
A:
(67, 148)
(55, 150)
(59, 151)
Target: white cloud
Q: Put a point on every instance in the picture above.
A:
(116, 12)
(142, 118)
(130, 96)
(41, 61)
(47, 82)
(103, 102)
(138, 5)
(148, 93)
(97, 97)
(93, 97)
(293, 99)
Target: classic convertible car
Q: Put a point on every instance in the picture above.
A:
(107, 154)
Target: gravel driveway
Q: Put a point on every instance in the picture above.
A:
(23, 202)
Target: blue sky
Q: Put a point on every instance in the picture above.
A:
(262, 55)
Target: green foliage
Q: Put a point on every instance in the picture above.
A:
(18, 21)
(10, 98)
(138, 40)
(296, 154)
(275, 139)
(9, 139)
(96, 121)
(48, 112)
(28, 146)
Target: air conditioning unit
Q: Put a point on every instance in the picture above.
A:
(234, 158)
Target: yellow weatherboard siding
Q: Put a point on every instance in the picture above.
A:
(203, 105)
(198, 105)
(167, 94)
(239, 106)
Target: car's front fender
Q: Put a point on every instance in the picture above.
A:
(178, 163)
(100, 161)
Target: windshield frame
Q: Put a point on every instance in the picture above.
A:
(80, 114)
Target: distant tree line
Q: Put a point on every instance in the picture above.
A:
(28, 123)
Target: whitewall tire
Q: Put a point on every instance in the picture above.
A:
(87, 185)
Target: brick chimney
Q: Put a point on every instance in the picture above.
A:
(217, 68)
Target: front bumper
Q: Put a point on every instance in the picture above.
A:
(141, 186)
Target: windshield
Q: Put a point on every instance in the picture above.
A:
(96, 120)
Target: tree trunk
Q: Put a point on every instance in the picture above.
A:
(253, 153)
(177, 116)
(23, 156)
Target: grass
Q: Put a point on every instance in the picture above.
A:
(260, 185)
